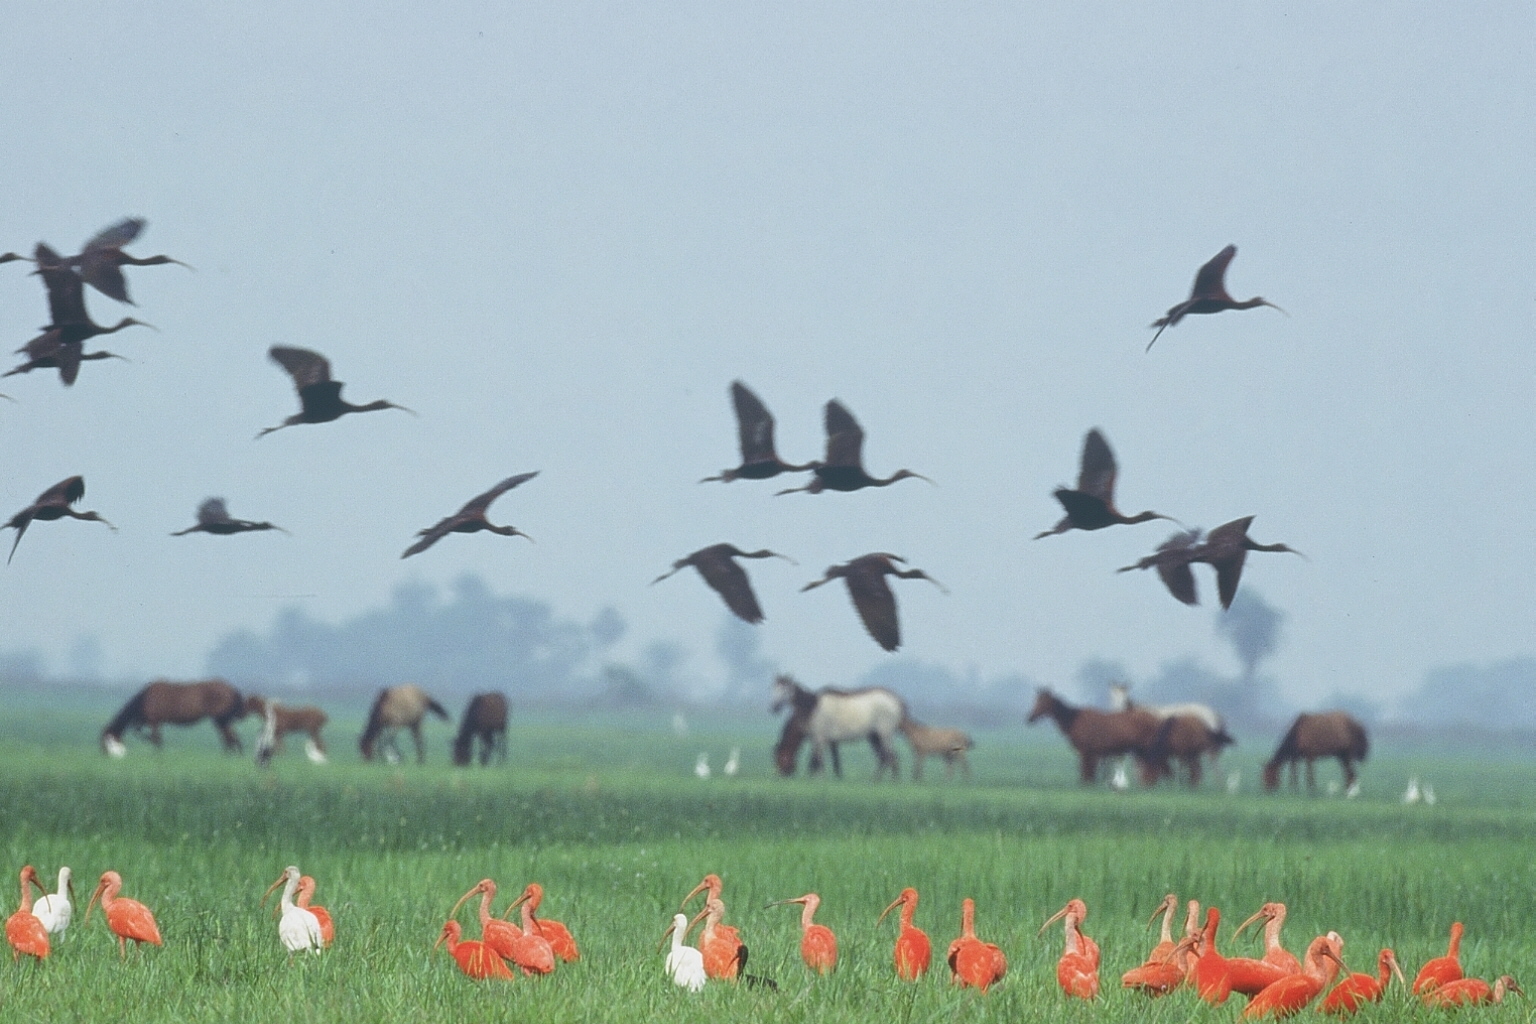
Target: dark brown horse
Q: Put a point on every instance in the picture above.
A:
(398, 707)
(1326, 734)
(485, 719)
(179, 704)
(1186, 739)
(1096, 734)
(786, 752)
(306, 719)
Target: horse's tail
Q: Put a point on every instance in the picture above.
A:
(131, 714)
(437, 709)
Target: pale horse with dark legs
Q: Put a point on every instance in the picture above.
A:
(398, 707)
(830, 717)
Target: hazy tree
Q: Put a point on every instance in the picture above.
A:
(1096, 675)
(1252, 627)
(748, 674)
(608, 627)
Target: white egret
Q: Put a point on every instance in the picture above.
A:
(685, 965)
(298, 929)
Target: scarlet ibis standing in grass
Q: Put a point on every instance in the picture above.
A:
(1471, 992)
(913, 951)
(23, 930)
(532, 952)
(1358, 989)
(302, 899)
(213, 517)
(754, 428)
(717, 565)
(843, 467)
(320, 398)
(1159, 974)
(1442, 969)
(556, 934)
(871, 595)
(1293, 992)
(727, 936)
(1209, 295)
(471, 518)
(298, 929)
(685, 965)
(54, 503)
(818, 946)
(1213, 982)
(55, 909)
(1091, 506)
(475, 959)
(972, 962)
(102, 260)
(127, 919)
(1250, 976)
(503, 938)
(1077, 972)
(724, 957)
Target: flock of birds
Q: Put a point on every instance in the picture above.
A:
(1277, 983)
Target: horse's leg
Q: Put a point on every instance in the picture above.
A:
(1194, 772)
(230, 737)
(1349, 770)
(837, 761)
(1088, 768)
(917, 764)
(154, 735)
(1311, 776)
(882, 757)
(421, 750)
(815, 766)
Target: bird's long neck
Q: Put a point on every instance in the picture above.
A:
(26, 893)
(125, 322)
(807, 913)
(289, 888)
(967, 920)
(1454, 949)
(486, 896)
(1167, 933)
(1272, 932)
(1074, 934)
(529, 928)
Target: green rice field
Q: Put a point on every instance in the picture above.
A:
(606, 813)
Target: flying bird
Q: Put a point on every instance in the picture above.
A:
(213, 517)
(48, 352)
(1209, 295)
(54, 503)
(729, 580)
(1224, 549)
(1172, 560)
(69, 326)
(319, 396)
(470, 518)
(754, 427)
(102, 260)
(843, 467)
(1091, 506)
(872, 597)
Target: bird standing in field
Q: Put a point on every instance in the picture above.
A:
(725, 934)
(102, 260)
(818, 946)
(471, 518)
(1091, 506)
(913, 952)
(972, 962)
(70, 325)
(55, 909)
(502, 937)
(213, 517)
(1159, 974)
(533, 952)
(1291, 993)
(302, 899)
(1209, 295)
(126, 918)
(1250, 976)
(475, 959)
(724, 955)
(1077, 972)
(716, 564)
(54, 503)
(872, 597)
(1471, 992)
(298, 929)
(1358, 989)
(754, 427)
(1213, 982)
(23, 930)
(320, 398)
(556, 934)
(1442, 969)
(684, 964)
(843, 467)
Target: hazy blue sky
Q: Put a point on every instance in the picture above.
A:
(559, 231)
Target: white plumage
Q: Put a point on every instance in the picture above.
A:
(54, 910)
(733, 763)
(298, 929)
(685, 965)
(701, 766)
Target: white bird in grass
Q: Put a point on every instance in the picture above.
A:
(313, 752)
(55, 910)
(114, 746)
(685, 965)
(701, 766)
(1411, 794)
(1234, 781)
(1429, 794)
(733, 763)
(298, 929)
(1120, 781)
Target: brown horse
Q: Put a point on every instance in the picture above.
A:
(1186, 739)
(787, 751)
(485, 719)
(398, 707)
(1326, 734)
(179, 704)
(306, 719)
(1096, 734)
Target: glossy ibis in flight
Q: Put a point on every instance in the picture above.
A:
(1172, 560)
(54, 503)
(1209, 295)
(62, 342)
(102, 260)
(872, 597)
(843, 467)
(213, 517)
(729, 580)
(48, 352)
(1092, 505)
(471, 518)
(754, 428)
(319, 396)
(1224, 549)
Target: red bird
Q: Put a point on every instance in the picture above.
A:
(913, 951)
(1470, 992)
(475, 959)
(553, 932)
(1358, 989)
(1212, 979)
(305, 894)
(23, 930)
(1209, 295)
(726, 940)
(504, 939)
(1273, 916)
(1160, 973)
(533, 952)
(972, 962)
(1293, 992)
(1442, 969)
(128, 919)
(818, 946)
(1077, 972)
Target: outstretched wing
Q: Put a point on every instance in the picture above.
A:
(1210, 281)
(845, 440)
(1225, 550)
(212, 511)
(1229, 535)
(116, 236)
(876, 606)
(754, 425)
(1097, 475)
(65, 492)
(431, 535)
(729, 580)
(476, 507)
(305, 367)
(66, 293)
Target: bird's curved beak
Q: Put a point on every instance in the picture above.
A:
(663, 943)
(1397, 970)
(454, 912)
(696, 890)
(887, 910)
(696, 919)
(516, 903)
(99, 890)
(780, 903)
(1162, 908)
(1263, 915)
(273, 888)
(1054, 918)
(440, 937)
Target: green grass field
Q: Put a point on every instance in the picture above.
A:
(607, 815)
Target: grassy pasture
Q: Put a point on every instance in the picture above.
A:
(607, 815)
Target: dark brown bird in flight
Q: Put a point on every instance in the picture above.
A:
(54, 503)
(1209, 295)
(102, 260)
(1092, 505)
(754, 428)
(471, 518)
(213, 517)
(872, 597)
(1225, 549)
(47, 352)
(320, 398)
(843, 468)
(63, 340)
(729, 580)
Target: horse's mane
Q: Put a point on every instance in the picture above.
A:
(132, 713)
(375, 717)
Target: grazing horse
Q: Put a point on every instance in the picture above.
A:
(1326, 734)
(1096, 734)
(950, 744)
(179, 704)
(398, 707)
(485, 719)
(1185, 738)
(834, 716)
(1120, 700)
(307, 719)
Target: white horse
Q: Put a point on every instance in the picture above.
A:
(1120, 700)
(829, 717)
